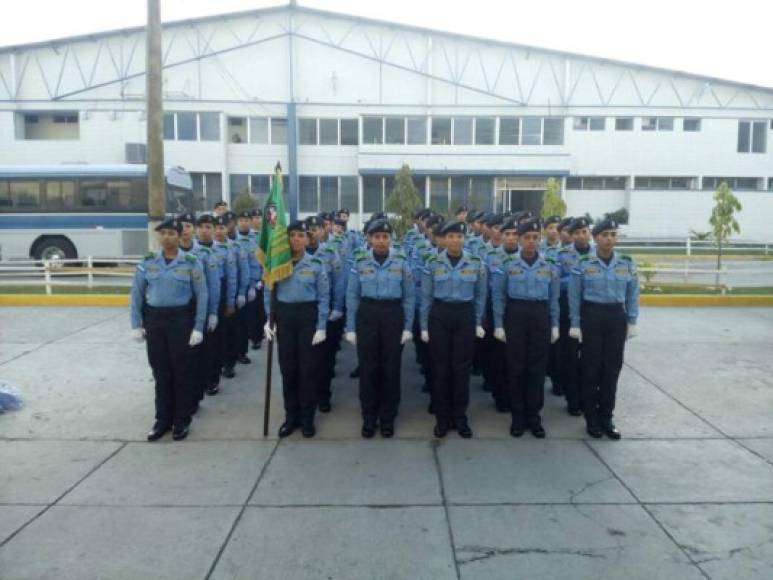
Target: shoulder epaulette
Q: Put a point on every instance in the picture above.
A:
(317, 260)
(149, 256)
(626, 257)
(549, 260)
(474, 257)
(431, 258)
(190, 258)
(205, 249)
(584, 258)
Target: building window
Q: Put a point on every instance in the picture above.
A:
(691, 125)
(649, 123)
(665, 123)
(740, 183)
(759, 138)
(463, 131)
(237, 129)
(308, 194)
(328, 131)
(596, 182)
(48, 126)
(328, 193)
(279, 131)
(238, 184)
(349, 199)
(752, 136)
(307, 131)
(209, 125)
(553, 131)
(460, 188)
(169, 131)
(372, 193)
(395, 131)
(441, 130)
(438, 194)
(481, 193)
(484, 130)
(624, 124)
(664, 182)
(531, 131)
(589, 123)
(350, 132)
(657, 124)
(187, 127)
(509, 129)
(373, 130)
(417, 130)
(259, 130)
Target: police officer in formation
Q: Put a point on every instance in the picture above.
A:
(603, 308)
(297, 319)
(516, 296)
(168, 311)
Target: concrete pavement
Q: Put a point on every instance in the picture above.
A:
(688, 492)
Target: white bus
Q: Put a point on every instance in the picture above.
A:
(71, 211)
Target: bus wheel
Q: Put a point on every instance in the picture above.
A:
(54, 248)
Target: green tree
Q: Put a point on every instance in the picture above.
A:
(244, 201)
(722, 220)
(403, 201)
(552, 204)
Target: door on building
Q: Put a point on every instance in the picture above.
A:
(523, 200)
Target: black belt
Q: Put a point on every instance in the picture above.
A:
(381, 302)
(296, 304)
(167, 309)
(446, 304)
(607, 305)
(525, 301)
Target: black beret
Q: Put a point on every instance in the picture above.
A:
(170, 224)
(379, 215)
(229, 216)
(578, 224)
(314, 220)
(495, 219)
(339, 221)
(344, 211)
(220, 220)
(472, 215)
(379, 226)
(453, 227)
(553, 219)
(245, 214)
(434, 220)
(187, 217)
(461, 208)
(421, 213)
(510, 224)
(257, 212)
(480, 216)
(526, 215)
(299, 226)
(604, 225)
(437, 228)
(220, 203)
(326, 216)
(565, 223)
(206, 219)
(530, 225)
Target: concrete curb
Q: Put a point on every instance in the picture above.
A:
(684, 300)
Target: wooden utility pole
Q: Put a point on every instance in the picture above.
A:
(154, 113)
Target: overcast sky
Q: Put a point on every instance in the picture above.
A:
(731, 40)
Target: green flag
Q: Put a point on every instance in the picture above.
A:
(274, 248)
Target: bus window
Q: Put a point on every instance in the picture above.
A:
(139, 195)
(119, 195)
(25, 194)
(60, 195)
(93, 194)
(5, 194)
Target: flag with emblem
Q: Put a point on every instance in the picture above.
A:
(274, 248)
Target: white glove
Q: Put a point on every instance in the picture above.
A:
(351, 338)
(269, 331)
(479, 332)
(631, 333)
(138, 334)
(251, 294)
(335, 315)
(212, 322)
(407, 335)
(196, 338)
(554, 335)
(240, 301)
(575, 333)
(318, 338)
(499, 334)
(259, 285)
(424, 336)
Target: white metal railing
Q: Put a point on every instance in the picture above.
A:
(89, 272)
(689, 246)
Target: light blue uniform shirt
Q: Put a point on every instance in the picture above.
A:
(518, 280)
(250, 244)
(566, 259)
(228, 270)
(159, 284)
(466, 282)
(209, 263)
(392, 280)
(595, 281)
(307, 283)
(242, 266)
(335, 273)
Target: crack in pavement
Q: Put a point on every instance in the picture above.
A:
(485, 553)
(587, 486)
